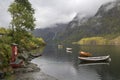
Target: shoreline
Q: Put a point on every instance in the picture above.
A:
(31, 72)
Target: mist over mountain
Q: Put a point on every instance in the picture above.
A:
(50, 33)
(106, 21)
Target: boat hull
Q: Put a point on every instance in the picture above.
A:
(95, 59)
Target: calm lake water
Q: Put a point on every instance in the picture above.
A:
(66, 65)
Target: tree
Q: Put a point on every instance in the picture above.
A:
(22, 18)
(22, 15)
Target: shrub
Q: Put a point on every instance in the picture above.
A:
(93, 41)
(5, 54)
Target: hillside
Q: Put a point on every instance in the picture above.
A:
(51, 33)
(105, 23)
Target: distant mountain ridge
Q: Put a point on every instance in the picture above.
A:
(105, 22)
(50, 33)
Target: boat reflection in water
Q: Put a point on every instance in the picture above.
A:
(93, 71)
(69, 50)
(57, 63)
(93, 63)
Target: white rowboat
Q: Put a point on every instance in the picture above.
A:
(95, 59)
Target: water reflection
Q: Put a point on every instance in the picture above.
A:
(64, 66)
(88, 72)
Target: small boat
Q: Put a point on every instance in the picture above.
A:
(85, 54)
(60, 46)
(68, 49)
(95, 59)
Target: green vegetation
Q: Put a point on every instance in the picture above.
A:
(5, 53)
(3, 31)
(27, 43)
(21, 24)
(22, 20)
(104, 24)
(31, 42)
(22, 15)
(99, 41)
(93, 41)
(115, 41)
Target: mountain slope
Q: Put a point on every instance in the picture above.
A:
(52, 33)
(106, 21)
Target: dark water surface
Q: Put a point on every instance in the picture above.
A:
(66, 65)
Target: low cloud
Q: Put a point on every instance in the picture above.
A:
(48, 12)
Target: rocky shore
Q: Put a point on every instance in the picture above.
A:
(29, 71)
(28, 67)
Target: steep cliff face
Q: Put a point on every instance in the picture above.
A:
(78, 20)
(109, 17)
(76, 27)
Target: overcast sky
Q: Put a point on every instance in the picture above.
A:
(48, 12)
